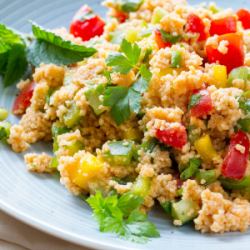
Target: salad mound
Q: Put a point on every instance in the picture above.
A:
(150, 106)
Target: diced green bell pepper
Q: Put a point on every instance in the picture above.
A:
(208, 176)
(244, 124)
(167, 206)
(130, 5)
(58, 129)
(120, 152)
(239, 73)
(176, 59)
(158, 14)
(3, 114)
(192, 169)
(72, 117)
(141, 186)
(235, 184)
(4, 130)
(93, 97)
(184, 210)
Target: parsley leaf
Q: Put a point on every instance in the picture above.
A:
(192, 169)
(125, 101)
(244, 104)
(125, 61)
(13, 63)
(51, 48)
(121, 215)
(194, 100)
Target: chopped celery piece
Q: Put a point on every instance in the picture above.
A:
(120, 152)
(141, 186)
(158, 14)
(206, 176)
(74, 147)
(244, 124)
(54, 163)
(4, 130)
(59, 129)
(191, 170)
(176, 59)
(167, 206)
(241, 73)
(130, 5)
(3, 114)
(184, 210)
(72, 117)
(93, 96)
(235, 184)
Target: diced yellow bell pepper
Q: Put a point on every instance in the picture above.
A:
(132, 35)
(87, 170)
(219, 76)
(205, 148)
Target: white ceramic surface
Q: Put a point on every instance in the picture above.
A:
(41, 201)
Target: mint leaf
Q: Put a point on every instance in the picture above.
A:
(125, 61)
(13, 63)
(194, 100)
(121, 215)
(51, 48)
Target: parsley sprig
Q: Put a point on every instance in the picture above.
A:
(122, 62)
(121, 215)
(125, 101)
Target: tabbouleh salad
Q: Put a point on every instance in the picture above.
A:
(150, 106)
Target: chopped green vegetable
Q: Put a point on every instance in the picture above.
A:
(192, 169)
(235, 184)
(3, 114)
(121, 215)
(58, 129)
(158, 14)
(207, 176)
(167, 206)
(4, 130)
(244, 103)
(141, 186)
(130, 5)
(176, 59)
(120, 152)
(148, 146)
(169, 38)
(72, 117)
(54, 163)
(184, 210)
(51, 48)
(125, 61)
(74, 147)
(13, 62)
(125, 101)
(241, 73)
(244, 124)
(194, 100)
(93, 95)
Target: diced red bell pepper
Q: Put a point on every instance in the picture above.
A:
(235, 163)
(121, 16)
(234, 57)
(160, 41)
(23, 100)
(196, 25)
(244, 17)
(86, 24)
(223, 26)
(204, 104)
(175, 137)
